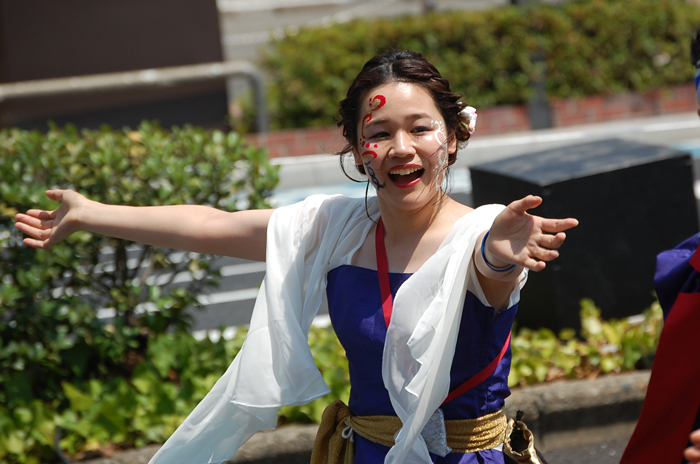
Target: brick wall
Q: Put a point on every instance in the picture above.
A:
(571, 112)
(296, 142)
(503, 119)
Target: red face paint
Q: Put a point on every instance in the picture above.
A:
(367, 156)
(375, 103)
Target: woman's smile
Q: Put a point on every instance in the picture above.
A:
(402, 141)
(405, 176)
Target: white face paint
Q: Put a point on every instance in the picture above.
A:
(441, 162)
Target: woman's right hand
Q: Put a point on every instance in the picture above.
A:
(50, 227)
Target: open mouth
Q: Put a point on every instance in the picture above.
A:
(406, 175)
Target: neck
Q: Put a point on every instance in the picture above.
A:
(409, 226)
(412, 236)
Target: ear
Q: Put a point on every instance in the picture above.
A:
(356, 156)
(452, 146)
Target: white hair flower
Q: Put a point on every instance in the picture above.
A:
(468, 116)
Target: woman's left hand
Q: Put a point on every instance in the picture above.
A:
(519, 238)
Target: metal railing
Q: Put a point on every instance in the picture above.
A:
(144, 78)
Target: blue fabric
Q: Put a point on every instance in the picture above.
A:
(674, 274)
(355, 308)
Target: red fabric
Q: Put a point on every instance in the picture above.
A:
(695, 261)
(673, 396)
(383, 272)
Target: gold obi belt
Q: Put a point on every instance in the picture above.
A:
(332, 445)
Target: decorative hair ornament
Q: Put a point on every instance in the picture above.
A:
(468, 116)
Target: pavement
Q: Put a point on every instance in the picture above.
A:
(575, 422)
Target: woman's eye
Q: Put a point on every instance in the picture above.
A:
(421, 129)
(379, 135)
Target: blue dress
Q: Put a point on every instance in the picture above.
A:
(355, 309)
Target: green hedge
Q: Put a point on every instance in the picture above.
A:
(53, 346)
(591, 47)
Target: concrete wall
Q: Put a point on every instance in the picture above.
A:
(44, 40)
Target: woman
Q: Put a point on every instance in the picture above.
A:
(422, 290)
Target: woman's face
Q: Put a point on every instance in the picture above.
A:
(403, 143)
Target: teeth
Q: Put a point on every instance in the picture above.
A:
(404, 171)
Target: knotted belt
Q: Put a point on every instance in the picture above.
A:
(333, 441)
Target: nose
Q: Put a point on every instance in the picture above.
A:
(402, 144)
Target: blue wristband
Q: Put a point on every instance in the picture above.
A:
(483, 255)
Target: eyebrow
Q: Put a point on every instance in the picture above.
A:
(410, 117)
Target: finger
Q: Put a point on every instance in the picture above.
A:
(41, 214)
(522, 205)
(539, 258)
(32, 221)
(36, 232)
(534, 265)
(552, 242)
(558, 225)
(695, 437)
(692, 454)
(40, 244)
(544, 254)
(55, 195)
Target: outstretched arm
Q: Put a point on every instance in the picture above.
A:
(517, 239)
(242, 234)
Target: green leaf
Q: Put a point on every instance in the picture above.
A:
(110, 418)
(24, 415)
(145, 380)
(18, 386)
(79, 400)
(162, 354)
(14, 442)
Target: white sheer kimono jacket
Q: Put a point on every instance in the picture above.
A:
(275, 366)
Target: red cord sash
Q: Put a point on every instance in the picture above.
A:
(383, 272)
(388, 306)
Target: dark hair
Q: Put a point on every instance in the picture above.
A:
(401, 66)
(695, 49)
